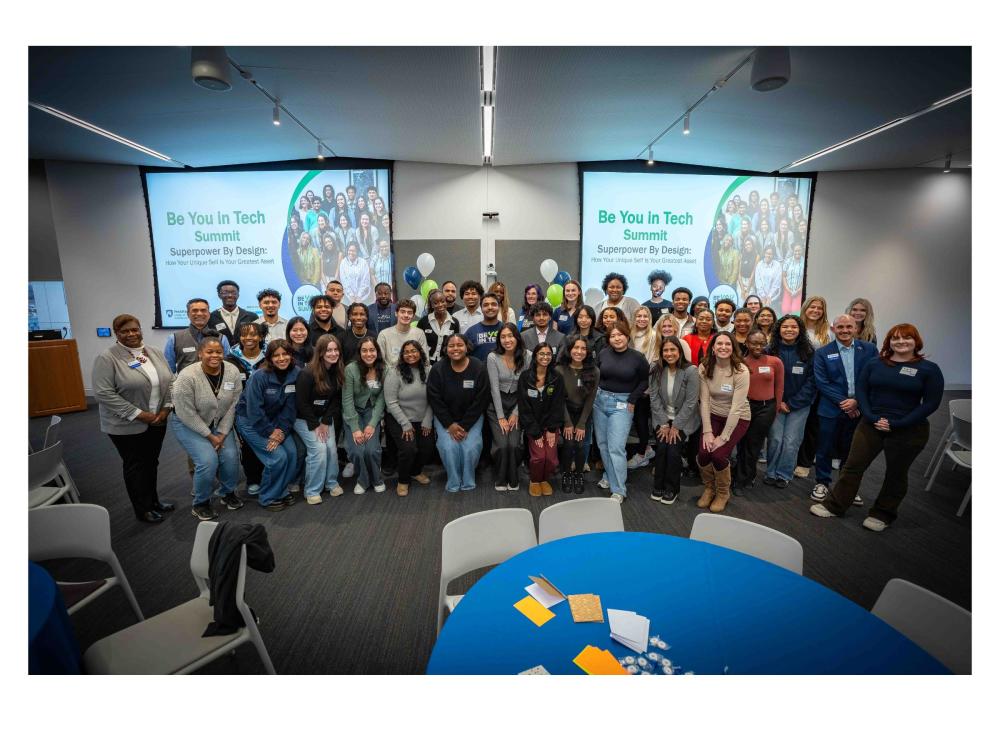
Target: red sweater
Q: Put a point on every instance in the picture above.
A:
(767, 378)
(698, 347)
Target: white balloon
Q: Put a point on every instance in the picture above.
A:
(593, 296)
(425, 264)
(549, 269)
(418, 300)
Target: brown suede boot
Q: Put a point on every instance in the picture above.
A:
(708, 479)
(546, 488)
(535, 489)
(723, 480)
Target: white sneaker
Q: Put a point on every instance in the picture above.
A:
(336, 491)
(836, 463)
(253, 489)
(819, 493)
(618, 498)
(801, 472)
(358, 489)
(500, 487)
(873, 524)
(314, 499)
(586, 468)
(348, 470)
(820, 510)
(603, 484)
(635, 462)
(858, 500)
(380, 487)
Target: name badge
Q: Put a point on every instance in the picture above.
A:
(230, 386)
(189, 349)
(911, 371)
(621, 405)
(563, 317)
(243, 377)
(798, 370)
(532, 393)
(290, 388)
(319, 402)
(727, 387)
(765, 370)
(833, 356)
(220, 326)
(135, 365)
(270, 391)
(373, 385)
(469, 384)
(579, 383)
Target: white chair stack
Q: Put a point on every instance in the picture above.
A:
(43, 468)
(956, 445)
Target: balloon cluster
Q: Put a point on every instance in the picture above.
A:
(556, 279)
(416, 278)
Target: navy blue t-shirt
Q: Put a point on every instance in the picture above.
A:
(483, 338)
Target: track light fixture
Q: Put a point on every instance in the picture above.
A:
(947, 164)
(649, 158)
(687, 123)
(276, 116)
(319, 150)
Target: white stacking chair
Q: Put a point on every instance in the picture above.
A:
(749, 538)
(938, 626)
(78, 530)
(171, 642)
(962, 407)
(477, 540)
(582, 515)
(958, 447)
(43, 467)
(52, 436)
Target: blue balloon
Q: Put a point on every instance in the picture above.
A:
(412, 277)
(561, 278)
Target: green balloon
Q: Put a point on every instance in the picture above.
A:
(554, 295)
(427, 286)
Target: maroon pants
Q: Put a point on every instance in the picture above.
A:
(720, 456)
(542, 462)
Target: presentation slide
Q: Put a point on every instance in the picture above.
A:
(718, 235)
(292, 231)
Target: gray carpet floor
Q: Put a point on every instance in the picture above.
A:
(354, 590)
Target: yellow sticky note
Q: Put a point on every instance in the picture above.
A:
(593, 660)
(530, 608)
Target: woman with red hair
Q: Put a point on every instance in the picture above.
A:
(896, 394)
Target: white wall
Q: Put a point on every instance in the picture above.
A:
(903, 239)
(104, 250)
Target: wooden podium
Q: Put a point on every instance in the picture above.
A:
(55, 384)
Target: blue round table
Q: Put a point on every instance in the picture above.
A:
(52, 647)
(720, 611)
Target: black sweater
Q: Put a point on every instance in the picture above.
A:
(540, 409)
(460, 397)
(314, 407)
(623, 372)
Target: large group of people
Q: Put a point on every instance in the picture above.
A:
(341, 236)
(369, 391)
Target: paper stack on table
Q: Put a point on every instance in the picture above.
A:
(585, 607)
(544, 592)
(629, 629)
(594, 660)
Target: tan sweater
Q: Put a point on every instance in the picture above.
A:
(725, 395)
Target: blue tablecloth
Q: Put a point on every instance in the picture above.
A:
(52, 646)
(721, 612)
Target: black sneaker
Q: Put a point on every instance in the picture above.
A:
(232, 501)
(578, 483)
(737, 490)
(567, 482)
(204, 512)
(668, 497)
(770, 481)
(277, 506)
(288, 500)
(781, 483)
(656, 495)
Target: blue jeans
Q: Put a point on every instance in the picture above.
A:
(460, 458)
(783, 443)
(612, 422)
(281, 465)
(833, 441)
(321, 458)
(208, 462)
(367, 457)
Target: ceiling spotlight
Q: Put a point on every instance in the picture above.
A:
(276, 116)
(649, 159)
(319, 150)
(210, 68)
(947, 164)
(687, 123)
(772, 68)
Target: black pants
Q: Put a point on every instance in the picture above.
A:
(901, 447)
(640, 421)
(140, 457)
(571, 451)
(252, 466)
(667, 475)
(762, 414)
(810, 438)
(413, 454)
(391, 449)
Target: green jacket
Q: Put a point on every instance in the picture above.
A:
(357, 397)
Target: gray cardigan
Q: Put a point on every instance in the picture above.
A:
(120, 389)
(685, 399)
(407, 402)
(197, 407)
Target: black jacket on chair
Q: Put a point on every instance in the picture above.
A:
(224, 567)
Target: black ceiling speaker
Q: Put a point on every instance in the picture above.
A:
(210, 68)
(772, 68)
